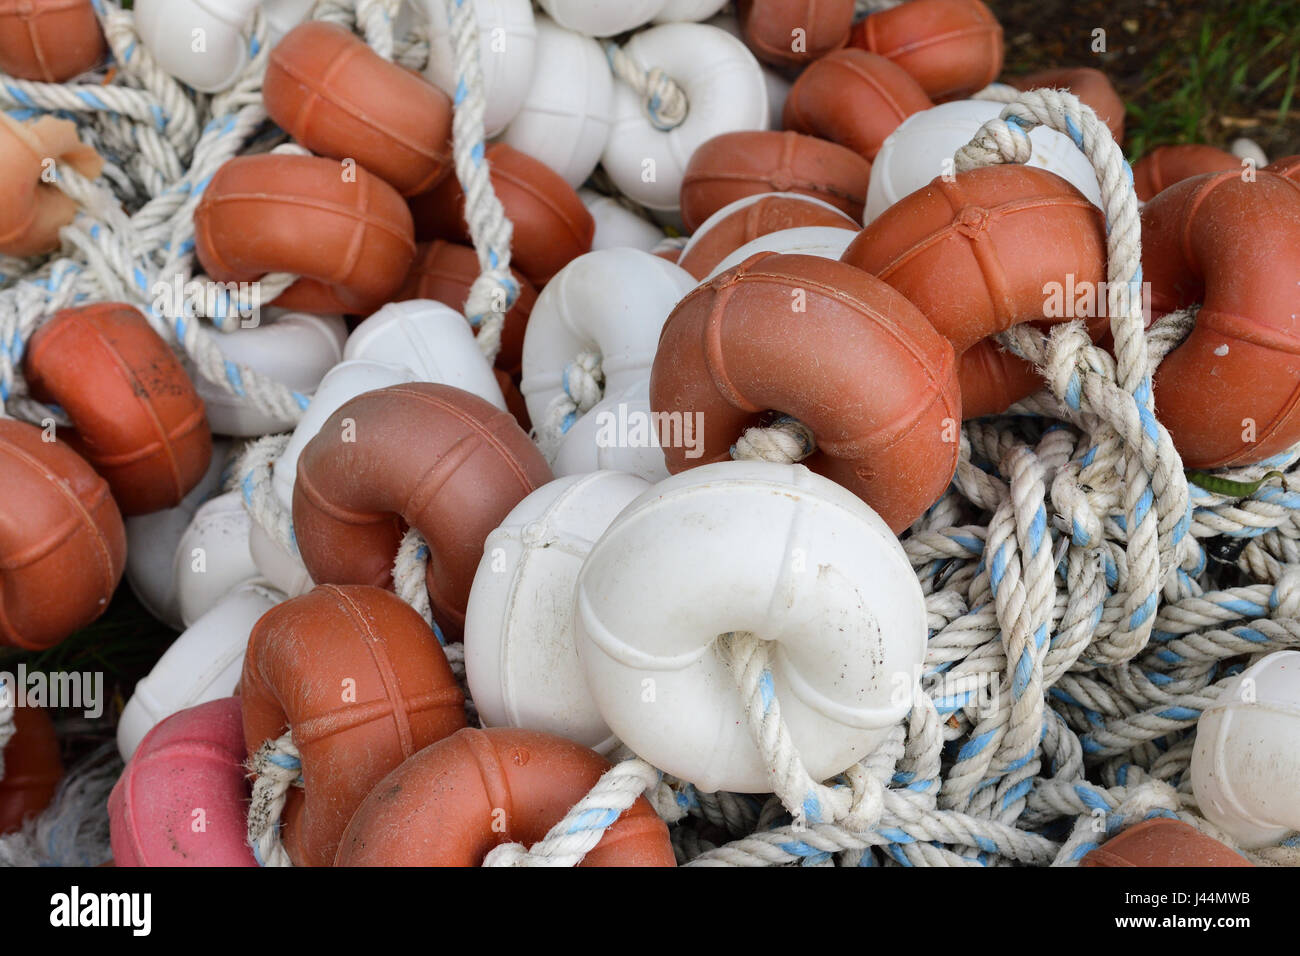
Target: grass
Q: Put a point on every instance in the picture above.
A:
(1235, 73)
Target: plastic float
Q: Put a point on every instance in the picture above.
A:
(879, 405)
(188, 770)
(617, 226)
(340, 99)
(352, 486)
(363, 241)
(1246, 765)
(63, 552)
(152, 541)
(853, 98)
(745, 220)
(294, 348)
(826, 242)
(647, 156)
(736, 165)
(212, 557)
(1228, 392)
(443, 799)
(998, 237)
(850, 616)
(565, 119)
(507, 34)
(793, 33)
(521, 659)
(357, 679)
(1166, 165)
(610, 304)
(551, 225)
(1162, 841)
(618, 433)
(35, 210)
(906, 161)
(951, 47)
(135, 414)
(49, 40)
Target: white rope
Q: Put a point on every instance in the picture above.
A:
(663, 100)
(7, 705)
(278, 767)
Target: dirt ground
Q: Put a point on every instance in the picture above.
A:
(1190, 71)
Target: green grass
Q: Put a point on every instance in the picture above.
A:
(1236, 74)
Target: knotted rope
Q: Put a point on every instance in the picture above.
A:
(663, 100)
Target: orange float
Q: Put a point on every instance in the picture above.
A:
(794, 32)
(62, 542)
(455, 801)
(33, 767)
(359, 679)
(445, 271)
(767, 214)
(363, 478)
(136, 416)
(49, 40)
(351, 239)
(339, 98)
(551, 224)
(952, 47)
(853, 98)
(1091, 86)
(1162, 841)
(866, 372)
(1166, 165)
(34, 210)
(976, 255)
(735, 165)
(1230, 393)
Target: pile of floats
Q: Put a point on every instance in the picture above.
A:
(799, 155)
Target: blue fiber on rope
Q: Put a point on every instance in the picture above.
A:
(1179, 713)
(1250, 634)
(235, 379)
(1037, 527)
(1144, 611)
(594, 818)
(974, 745)
(20, 96)
(1017, 792)
(766, 689)
(1024, 672)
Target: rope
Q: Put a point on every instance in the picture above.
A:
(662, 98)
(278, 767)
(583, 385)
(7, 705)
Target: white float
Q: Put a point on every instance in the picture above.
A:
(745, 202)
(340, 385)
(916, 152)
(1246, 761)
(726, 91)
(212, 557)
(172, 29)
(430, 338)
(777, 84)
(613, 302)
(151, 542)
(564, 121)
(618, 227)
(620, 433)
(203, 664)
(676, 11)
(507, 48)
(293, 348)
(520, 658)
(601, 18)
(283, 15)
(771, 549)
(826, 242)
(284, 571)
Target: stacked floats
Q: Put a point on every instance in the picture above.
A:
(585, 571)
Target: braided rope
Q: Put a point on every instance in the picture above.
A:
(7, 729)
(663, 100)
(278, 767)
